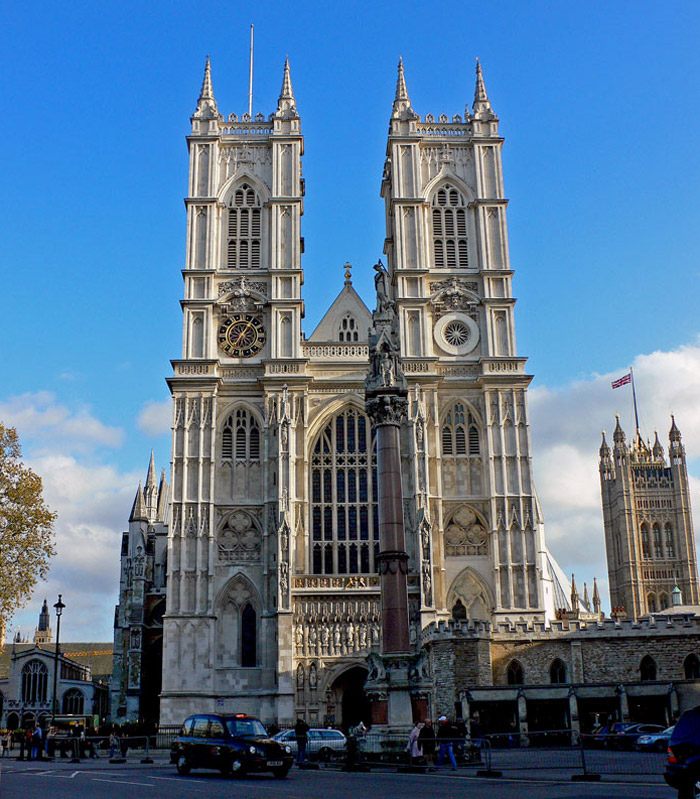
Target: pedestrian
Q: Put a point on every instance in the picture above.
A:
(413, 747)
(124, 745)
(8, 744)
(446, 737)
(113, 743)
(426, 740)
(301, 731)
(36, 736)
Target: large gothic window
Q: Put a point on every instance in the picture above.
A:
(557, 671)
(658, 551)
(35, 677)
(460, 432)
(647, 669)
(73, 702)
(514, 673)
(670, 546)
(244, 230)
(449, 218)
(344, 523)
(240, 439)
(691, 667)
(645, 542)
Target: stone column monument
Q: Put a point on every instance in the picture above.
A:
(392, 673)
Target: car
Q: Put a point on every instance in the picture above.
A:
(322, 745)
(624, 736)
(235, 745)
(655, 742)
(683, 764)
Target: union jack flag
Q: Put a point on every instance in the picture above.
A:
(622, 381)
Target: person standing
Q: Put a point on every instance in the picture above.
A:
(301, 731)
(446, 737)
(415, 752)
(35, 753)
(426, 741)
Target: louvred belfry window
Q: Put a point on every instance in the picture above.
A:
(344, 522)
(240, 438)
(460, 432)
(244, 233)
(449, 219)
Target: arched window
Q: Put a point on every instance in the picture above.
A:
(651, 603)
(35, 677)
(459, 612)
(449, 219)
(645, 542)
(348, 329)
(244, 230)
(658, 551)
(514, 673)
(460, 432)
(663, 600)
(670, 545)
(240, 438)
(647, 669)
(73, 702)
(248, 636)
(691, 667)
(344, 522)
(557, 671)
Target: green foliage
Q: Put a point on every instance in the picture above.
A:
(26, 528)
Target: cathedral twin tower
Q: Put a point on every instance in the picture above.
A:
(272, 591)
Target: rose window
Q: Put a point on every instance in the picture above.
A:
(456, 333)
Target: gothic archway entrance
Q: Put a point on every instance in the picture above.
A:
(350, 700)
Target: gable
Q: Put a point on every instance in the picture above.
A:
(348, 304)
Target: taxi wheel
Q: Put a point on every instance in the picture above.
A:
(237, 768)
(325, 754)
(281, 773)
(183, 765)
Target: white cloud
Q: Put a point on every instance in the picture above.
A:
(155, 417)
(565, 427)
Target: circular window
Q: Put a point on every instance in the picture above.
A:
(456, 333)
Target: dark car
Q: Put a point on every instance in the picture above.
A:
(624, 736)
(683, 765)
(234, 745)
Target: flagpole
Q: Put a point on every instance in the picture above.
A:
(250, 82)
(634, 398)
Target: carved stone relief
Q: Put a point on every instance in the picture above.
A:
(465, 534)
(239, 539)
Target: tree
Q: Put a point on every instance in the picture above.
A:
(26, 528)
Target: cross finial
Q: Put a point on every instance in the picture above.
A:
(348, 273)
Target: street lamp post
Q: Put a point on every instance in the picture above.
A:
(59, 606)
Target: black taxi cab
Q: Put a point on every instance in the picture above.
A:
(234, 745)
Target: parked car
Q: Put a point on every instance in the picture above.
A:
(683, 765)
(234, 745)
(323, 745)
(626, 735)
(655, 742)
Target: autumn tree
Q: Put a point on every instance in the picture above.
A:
(26, 528)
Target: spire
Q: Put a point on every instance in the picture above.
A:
(402, 101)
(482, 105)
(596, 596)
(151, 476)
(162, 497)
(44, 617)
(574, 594)
(206, 104)
(138, 511)
(674, 434)
(286, 100)
(586, 600)
(604, 450)
(618, 434)
(658, 450)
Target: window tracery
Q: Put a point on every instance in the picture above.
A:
(244, 229)
(73, 702)
(344, 521)
(460, 432)
(240, 438)
(449, 220)
(35, 677)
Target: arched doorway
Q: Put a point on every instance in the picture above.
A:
(350, 698)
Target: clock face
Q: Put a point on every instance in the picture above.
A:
(242, 335)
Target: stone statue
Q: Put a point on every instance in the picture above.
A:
(382, 283)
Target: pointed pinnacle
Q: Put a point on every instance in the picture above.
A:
(481, 98)
(138, 511)
(151, 476)
(402, 101)
(287, 93)
(207, 92)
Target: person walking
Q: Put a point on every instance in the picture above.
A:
(301, 731)
(415, 752)
(426, 741)
(445, 737)
(113, 744)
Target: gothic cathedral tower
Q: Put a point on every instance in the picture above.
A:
(649, 538)
(447, 251)
(273, 593)
(228, 629)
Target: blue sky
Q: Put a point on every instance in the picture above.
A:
(599, 106)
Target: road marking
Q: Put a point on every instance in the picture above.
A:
(124, 782)
(52, 774)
